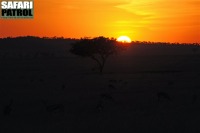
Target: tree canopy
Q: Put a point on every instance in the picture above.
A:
(98, 49)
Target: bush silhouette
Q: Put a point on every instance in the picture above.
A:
(98, 49)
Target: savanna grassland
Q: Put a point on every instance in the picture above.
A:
(149, 87)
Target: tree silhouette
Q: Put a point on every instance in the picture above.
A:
(98, 49)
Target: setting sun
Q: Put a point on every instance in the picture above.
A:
(125, 39)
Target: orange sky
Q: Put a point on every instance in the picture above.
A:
(144, 20)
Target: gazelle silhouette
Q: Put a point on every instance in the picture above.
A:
(8, 108)
(163, 96)
(105, 98)
(53, 108)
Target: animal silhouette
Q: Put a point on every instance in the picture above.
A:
(53, 108)
(8, 108)
(105, 98)
(163, 96)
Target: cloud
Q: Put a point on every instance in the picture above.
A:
(160, 10)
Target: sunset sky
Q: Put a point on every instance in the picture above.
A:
(143, 20)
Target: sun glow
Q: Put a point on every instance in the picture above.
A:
(124, 39)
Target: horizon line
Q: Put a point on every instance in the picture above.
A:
(62, 37)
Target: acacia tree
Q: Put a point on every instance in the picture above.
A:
(98, 49)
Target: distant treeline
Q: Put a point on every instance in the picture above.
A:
(162, 43)
(34, 47)
(24, 40)
(60, 40)
(48, 47)
(53, 40)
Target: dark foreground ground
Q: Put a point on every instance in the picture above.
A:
(142, 90)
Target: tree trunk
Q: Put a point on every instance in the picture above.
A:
(100, 63)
